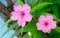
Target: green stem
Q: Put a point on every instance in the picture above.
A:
(30, 36)
(22, 31)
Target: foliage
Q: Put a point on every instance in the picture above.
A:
(38, 8)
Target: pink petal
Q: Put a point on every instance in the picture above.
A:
(53, 25)
(21, 21)
(28, 17)
(49, 17)
(26, 8)
(41, 23)
(14, 16)
(39, 26)
(46, 30)
(17, 7)
(41, 18)
(12, 13)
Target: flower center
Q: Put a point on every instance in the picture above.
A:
(22, 14)
(46, 24)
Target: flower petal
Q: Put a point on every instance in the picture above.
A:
(39, 26)
(17, 7)
(46, 30)
(14, 16)
(26, 8)
(41, 18)
(21, 23)
(53, 25)
(49, 17)
(41, 23)
(28, 17)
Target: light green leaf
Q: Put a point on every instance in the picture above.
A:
(20, 2)
(16, 33)
(6, 23)
(19, 31)
(10, 28)
(40, 6)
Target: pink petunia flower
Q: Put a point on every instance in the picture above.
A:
(21, 14)
(46, 23)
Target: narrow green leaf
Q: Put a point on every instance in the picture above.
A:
(10, 28)
(16, 33)
(25, 36)
(17, 27)
(19, 31)
(8, 21)
(20, 2)
(22, 30)
(40, 6)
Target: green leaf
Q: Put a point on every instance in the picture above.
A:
(42, 1)
(25, 36)
(28, 1)
(57, 29)
(46, 9)
(20, 2)
(32, 3)
(10, 28)
(39, 6)
(57, 1)
(35, 1)
(19, 31)
(57, 19)
(22, 30)
(31, 25)
(16, 33)
(36, 34)
(55, 33)
(55, 11)
(32, 28)
(8, 21)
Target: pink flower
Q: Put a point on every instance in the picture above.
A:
(21, 14)
(46, 23)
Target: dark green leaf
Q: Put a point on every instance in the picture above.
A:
(57, 1)
(55, 11)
